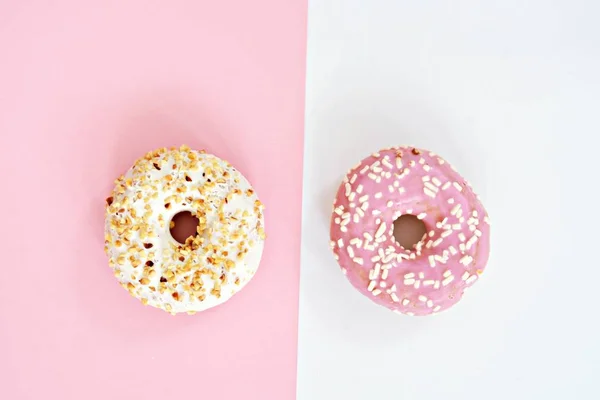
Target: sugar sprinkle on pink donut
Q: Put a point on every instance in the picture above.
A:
(433, 275)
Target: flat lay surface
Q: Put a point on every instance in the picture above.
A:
(295, 93)
(87, 90)
(507, 93)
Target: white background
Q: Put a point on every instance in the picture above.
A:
(508, 91)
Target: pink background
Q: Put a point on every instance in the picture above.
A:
(86, 89)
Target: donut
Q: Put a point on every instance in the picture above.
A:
(213, 263)
(409, 183)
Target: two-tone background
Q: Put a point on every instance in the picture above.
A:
(293, 94)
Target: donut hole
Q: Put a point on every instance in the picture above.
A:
(184, 225)
(408, 231)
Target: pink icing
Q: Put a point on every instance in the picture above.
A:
(450, 258)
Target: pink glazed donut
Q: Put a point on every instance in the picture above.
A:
(432, 275)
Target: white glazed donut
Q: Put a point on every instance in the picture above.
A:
(207, 269)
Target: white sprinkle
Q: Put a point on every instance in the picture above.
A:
(382, 284)
(338, 211)
(368, 236)
(471, 242)
(486, 220)
(396, 184)
(386, 162)
(350, 251)
(431, 261)
(465, 276)
(452, 250)
(364, 206)
(447, 281)
(348, 189)
(431, 187)
(337, 221)
(451, 201)
(429, 193)
(378, 195)
(446, 185)
(389, 258)
(401, 190)
(478, 233)
(393, 288)
(421, 161)
(428, 282)
(394, 297)
(365, 169)
(398, 162)
(462, 237)
(461, 247)
(345, 222)
(429, 244)
(363, 198)
(405, 302)
(421, 275)
(340, 243)
(344, 229)
(472, 228)
(409, 275)
(390, 203)
(417, 284)
(447, 273)
(436, 285)
(456, 227)
(429, 303)
(431, 233)
(372, 285)
(359, 261)
(409, 282)
(372, 176)
(360, 212)
(390, 189)
(426, 178)
(427, 168)
(466, 260)
(376, 292)
(436, 181)
(380, 230)
(472, 279)
(344, 271)
(353, 179)
(422, 298)
(455, 209)
(439, 258)
(374, 273)
(359, 189)
(457, 186)
(437, 308)
(437, 242)
(446, 234)
(384, 274)
(422, 215)
(355, 217)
